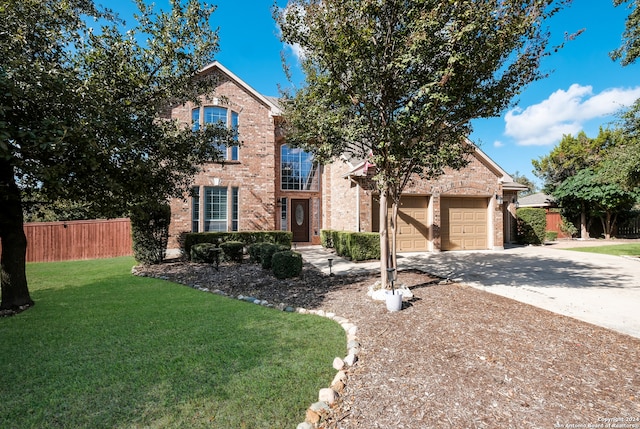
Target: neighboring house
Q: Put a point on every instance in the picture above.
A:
(539, 200)
(265, 185)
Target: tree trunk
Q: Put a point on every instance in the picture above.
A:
(584, 230)
(384, 238)
(15, 293)
(394, 236)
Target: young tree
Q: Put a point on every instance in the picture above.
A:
(81, 112)
(398, 81)
(532, 188)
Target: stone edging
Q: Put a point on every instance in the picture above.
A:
(326, 396)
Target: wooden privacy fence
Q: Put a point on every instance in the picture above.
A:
(81, 239)
(554, 222)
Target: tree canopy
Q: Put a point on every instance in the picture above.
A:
(399, 81)
(630, 50)
(82, 111)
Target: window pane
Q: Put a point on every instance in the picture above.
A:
(215, 114)
(283, 214)
(234, 209)
(195, 209)
(215, 209)
(195, 119)
(298, 172)
(234, 125)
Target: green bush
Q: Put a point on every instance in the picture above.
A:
(233, 250)
(286, 264)
(358, 246)
(206, 253)
(363, 246)
(550, 235)
(150, 232)
(254, 251)
(246, 237)
(267, 250)
(532, 224)
(326, 238)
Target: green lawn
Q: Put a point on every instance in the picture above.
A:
(629, 249)
(104, 349)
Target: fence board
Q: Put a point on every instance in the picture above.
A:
(74, 240)
(554, 221)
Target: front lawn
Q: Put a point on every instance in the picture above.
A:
(629, 249)
(104, 349)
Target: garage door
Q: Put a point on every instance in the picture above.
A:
(413, 232)
(412, 224)
(464, 223)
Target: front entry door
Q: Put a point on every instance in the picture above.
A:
(300, 220)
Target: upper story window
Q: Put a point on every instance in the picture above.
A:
(298, 170)
(200, 116)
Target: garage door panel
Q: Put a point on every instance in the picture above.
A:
(464, 223)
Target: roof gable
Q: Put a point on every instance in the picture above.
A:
(274, 109)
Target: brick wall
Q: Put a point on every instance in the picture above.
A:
(253, 174)
(478, 180)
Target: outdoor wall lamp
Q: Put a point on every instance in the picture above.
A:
(499, 199)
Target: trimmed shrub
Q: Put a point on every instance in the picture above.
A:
(532, 224)
(550, 235)
(246, 237)
(233, 250)
(150, 232)
(206, 253)
(254, 251)
(326, 238)
(341, 242)
(267, 251)
(286, 264)
(364, 245)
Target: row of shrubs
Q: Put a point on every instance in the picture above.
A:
(245, 237)
(357, 246)
(277, 257)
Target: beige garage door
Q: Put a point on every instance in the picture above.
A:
(412, 224)
(413, 232)
(464, 223)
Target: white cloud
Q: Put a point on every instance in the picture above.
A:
(498, 143)
(565, 112)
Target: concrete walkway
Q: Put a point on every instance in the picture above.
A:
(599, 289)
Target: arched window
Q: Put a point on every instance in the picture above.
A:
(200, 116)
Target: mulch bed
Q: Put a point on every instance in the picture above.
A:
(455, 356)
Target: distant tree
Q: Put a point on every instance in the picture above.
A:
(587, 192)
(398, 81)
(622, 164)
(81, 112)
(630, 50)
(532, 188)
(569, 157)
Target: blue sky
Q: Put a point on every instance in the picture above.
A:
(583, 91)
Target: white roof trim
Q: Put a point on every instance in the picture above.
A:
(275, 110)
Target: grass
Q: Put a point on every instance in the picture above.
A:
(104, 349)
(631, 249)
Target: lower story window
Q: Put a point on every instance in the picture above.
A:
(218, 211)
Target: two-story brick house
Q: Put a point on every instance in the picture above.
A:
(264, 184)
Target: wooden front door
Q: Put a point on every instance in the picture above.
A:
(300, 220)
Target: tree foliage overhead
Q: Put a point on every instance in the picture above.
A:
(630, 50)
(399, 81)
(83, 111)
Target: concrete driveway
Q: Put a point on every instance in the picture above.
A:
(599, 289)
